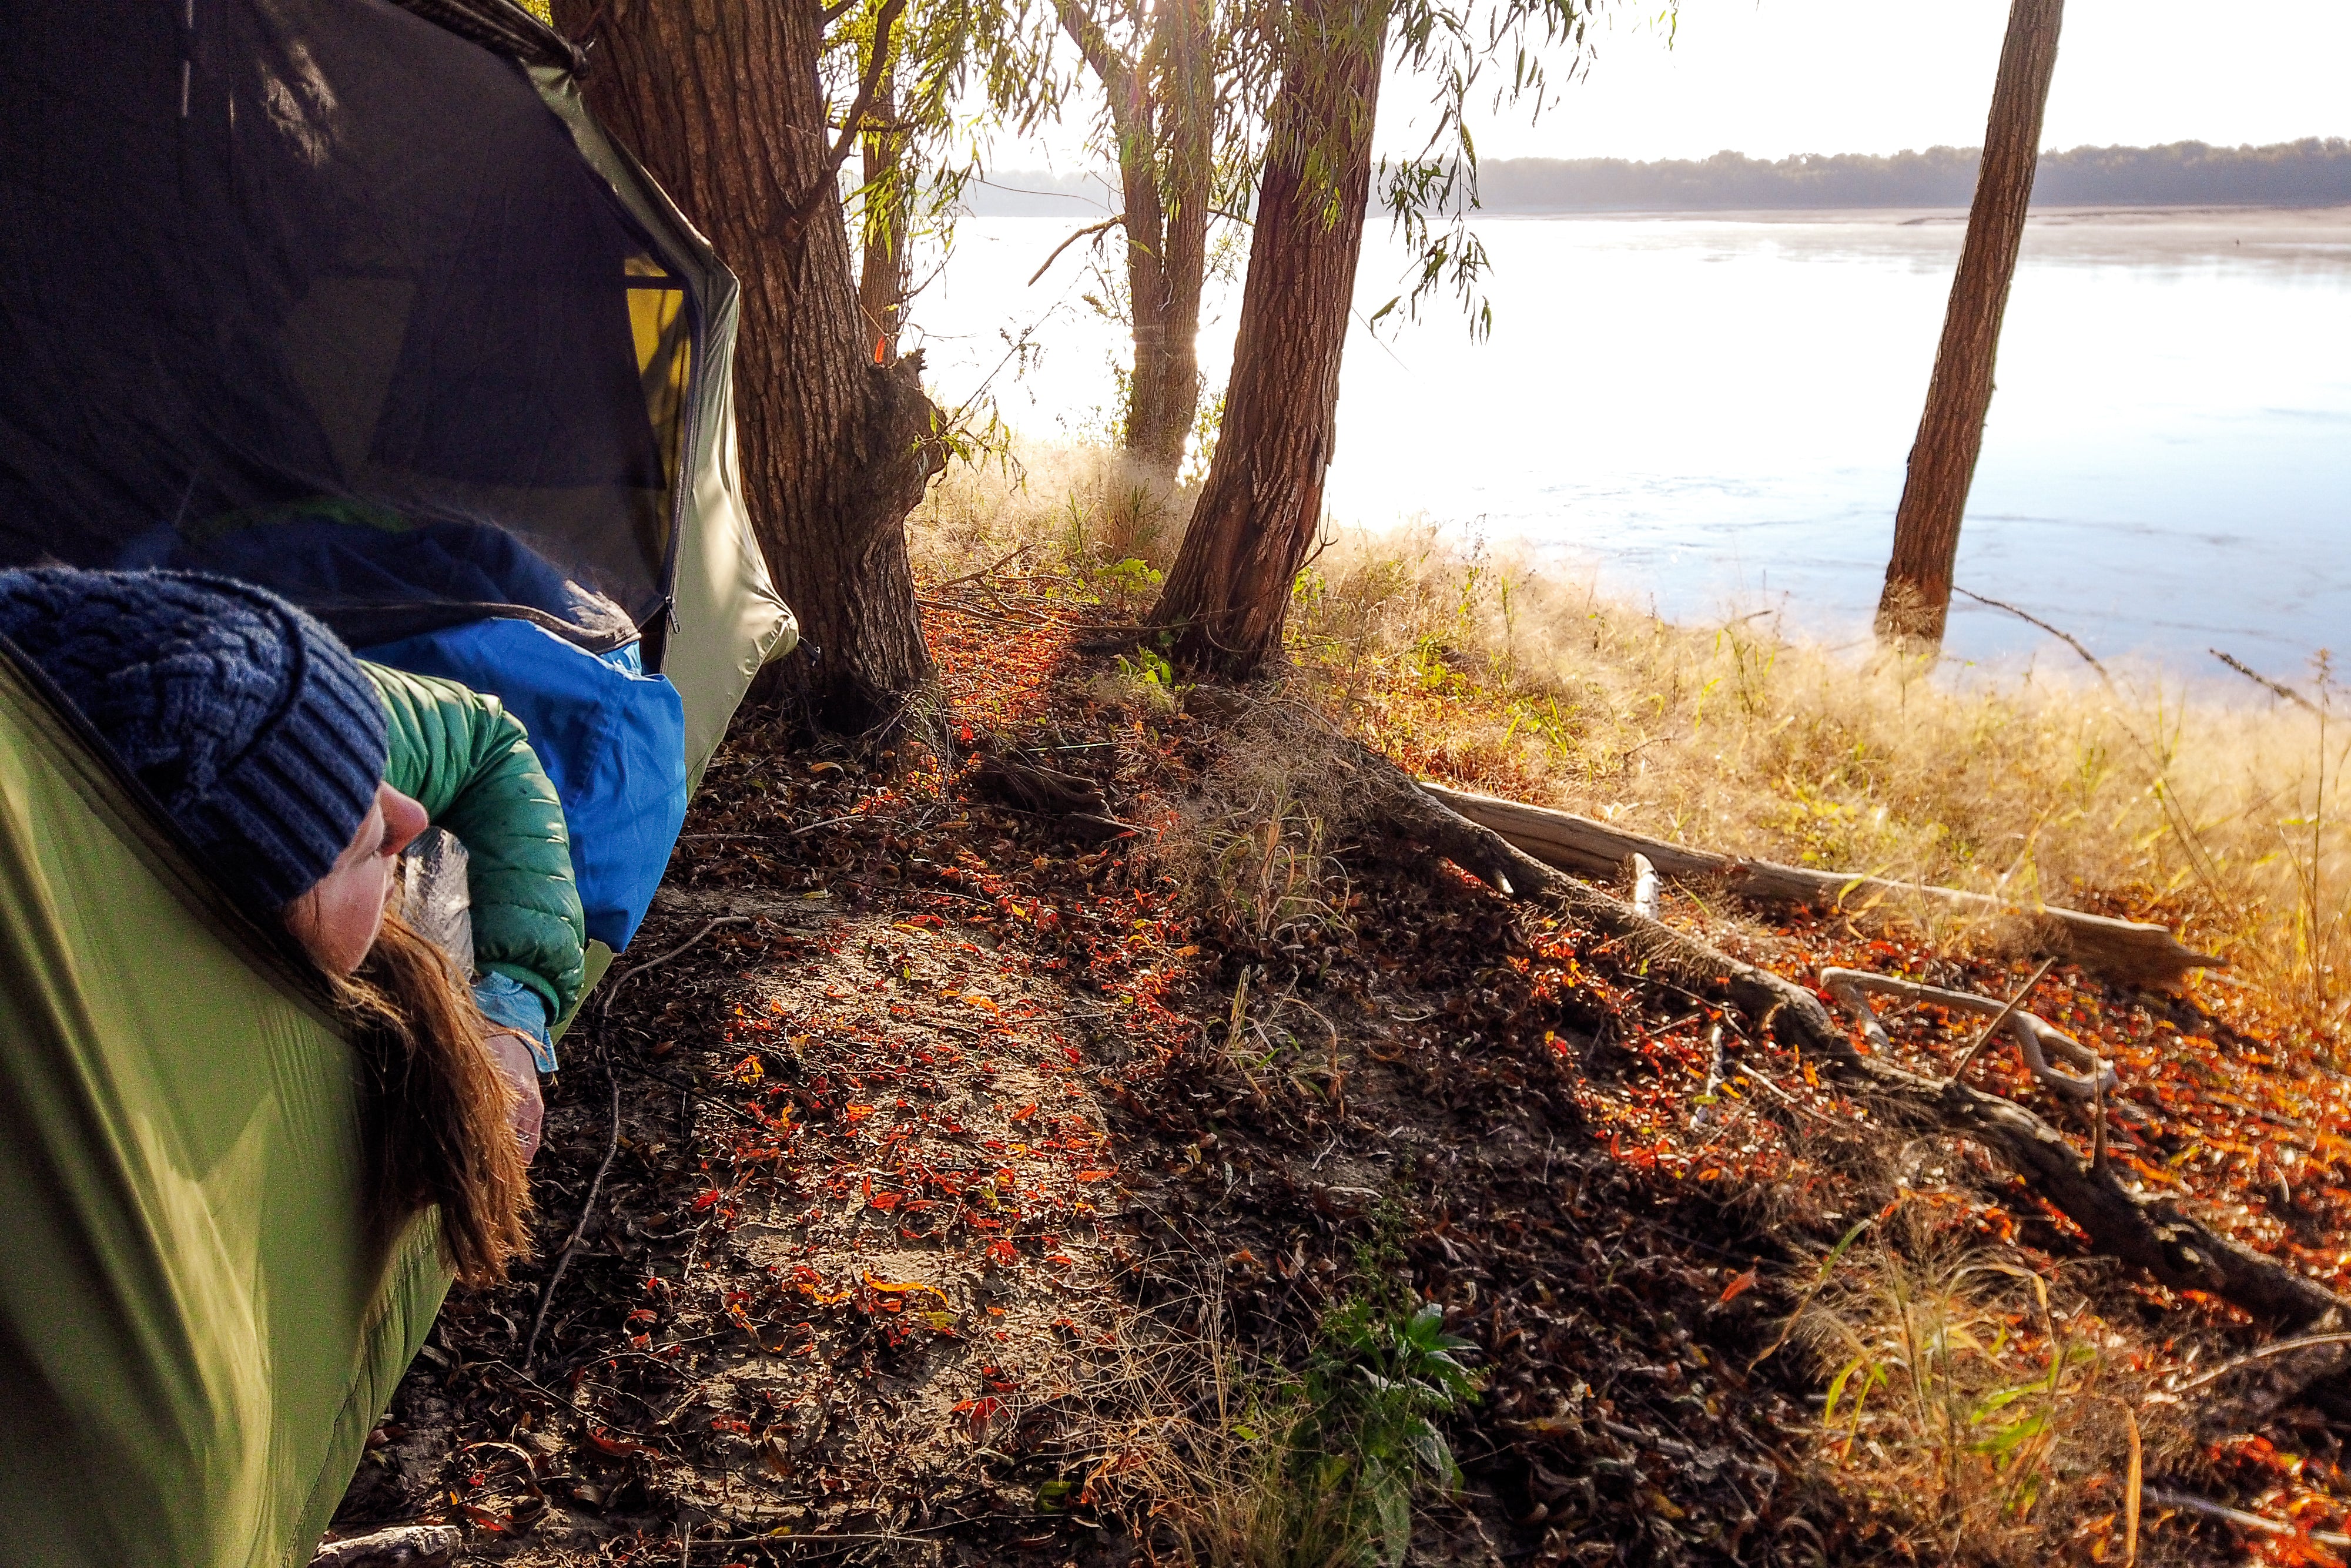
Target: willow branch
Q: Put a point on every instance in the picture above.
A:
(1109, 222)
(1094, 43)
(877, 64)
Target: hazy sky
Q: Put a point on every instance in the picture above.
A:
(1775, 77)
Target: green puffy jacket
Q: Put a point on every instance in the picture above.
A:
(469, 763)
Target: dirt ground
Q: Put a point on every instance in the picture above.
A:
(963, 1167)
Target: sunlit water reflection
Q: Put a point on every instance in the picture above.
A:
(1714, 413)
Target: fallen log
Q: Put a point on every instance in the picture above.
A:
(2148, 1234)
(2131, 951)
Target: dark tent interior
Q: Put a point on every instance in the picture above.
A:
(319, 294)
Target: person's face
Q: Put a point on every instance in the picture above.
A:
(338, 919)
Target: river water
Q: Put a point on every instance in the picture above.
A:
(1711, 413)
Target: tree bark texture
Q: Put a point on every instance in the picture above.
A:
(1167, 256)
(724, 105)
(1227, 594)
(1917, 597)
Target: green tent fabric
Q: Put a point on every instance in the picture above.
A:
(728, 619)
(196, 1333)
(195, 1337)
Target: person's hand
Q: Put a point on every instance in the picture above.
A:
(511, 1053)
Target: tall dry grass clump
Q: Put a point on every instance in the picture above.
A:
(1259, 837)
(1960, 1390)
(1079, 508)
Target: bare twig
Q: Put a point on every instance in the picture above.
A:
(1036, 623)
(1959, 1070)
(988, 571)
(1781, 1094)
(612, 986)
(2164, 1497)
(579, 1228)
(2065, 637)
(868, 85)
(2258, 679)
(1100, 53)
(2274, 1348)
(2033, 1035)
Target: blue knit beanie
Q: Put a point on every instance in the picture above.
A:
(255, 728)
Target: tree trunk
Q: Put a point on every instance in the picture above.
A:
(1165, 254)
(1166, 179)
(723, 104)
(882, 271)
(1162, 109)
(1917, 597)
(1228, 592)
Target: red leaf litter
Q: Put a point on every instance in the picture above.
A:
(979, 1109)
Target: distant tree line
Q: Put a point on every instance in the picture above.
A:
(2314, 172)
(2311, 173)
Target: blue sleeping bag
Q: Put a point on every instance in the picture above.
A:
(611, 738)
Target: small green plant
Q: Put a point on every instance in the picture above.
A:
(1133, 578)
(1143, 683)
(1331, 1462)
(1375, 1390)
(1149, 668)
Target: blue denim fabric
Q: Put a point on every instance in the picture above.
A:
(508, 1004)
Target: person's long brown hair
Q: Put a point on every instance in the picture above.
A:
(438, 1119)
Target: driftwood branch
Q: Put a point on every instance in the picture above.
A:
(402, 1546)
(2148, 1234)
(2127, 950)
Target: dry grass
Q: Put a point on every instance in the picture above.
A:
(1959, 1383)
(1212, 1462)
(1258, 840)
(2222, 810)
(1077, 508)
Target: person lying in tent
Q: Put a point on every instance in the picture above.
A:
(299, 775)
(610, 736)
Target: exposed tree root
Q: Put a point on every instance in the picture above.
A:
(2148, 1234)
